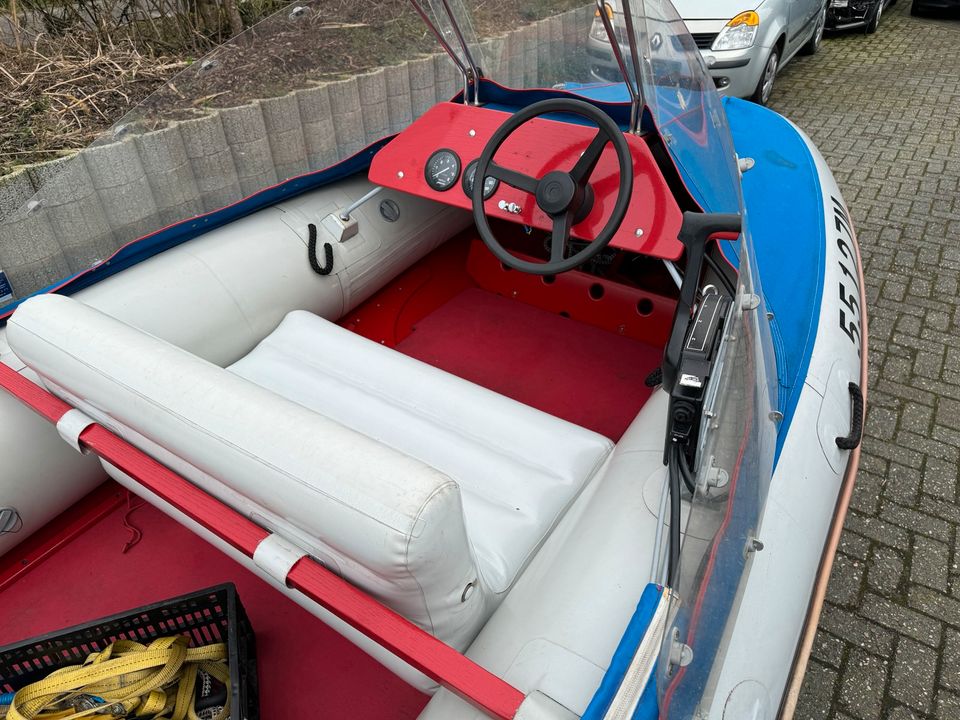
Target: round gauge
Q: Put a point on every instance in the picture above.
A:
(490, 184)
(442, 170)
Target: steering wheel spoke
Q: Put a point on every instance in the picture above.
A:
(512, 178)
(560, 195)
(560, 236)
(591, 156)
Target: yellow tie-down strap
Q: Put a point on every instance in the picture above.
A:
(134, 680)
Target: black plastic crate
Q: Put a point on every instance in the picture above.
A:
(207, 616)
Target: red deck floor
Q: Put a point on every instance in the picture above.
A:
(591, 377)
(306, 670)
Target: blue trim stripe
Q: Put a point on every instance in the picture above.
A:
(784, 204)
(623, 656)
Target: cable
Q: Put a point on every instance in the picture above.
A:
(685, 473)
(673, 569)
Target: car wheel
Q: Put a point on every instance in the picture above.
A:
(813, 44)
(764, 89)
(915, 9)
(875, 22)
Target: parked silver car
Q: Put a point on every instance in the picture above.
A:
(744, 43)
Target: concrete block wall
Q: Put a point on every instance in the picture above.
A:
(87, 206)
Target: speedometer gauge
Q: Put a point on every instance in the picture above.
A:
(490, 184)
(442, 170)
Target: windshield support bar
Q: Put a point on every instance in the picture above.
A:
(615, 46)
(635, 58)
(446, 47)
(468, 56)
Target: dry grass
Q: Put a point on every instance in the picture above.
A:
(58, 96)
(61, 92)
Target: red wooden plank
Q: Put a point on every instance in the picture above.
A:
(48, 406)
(204, 509)
(408, 641)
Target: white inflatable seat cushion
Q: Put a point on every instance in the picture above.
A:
(518, 468)
(385, 521)
(559, 627)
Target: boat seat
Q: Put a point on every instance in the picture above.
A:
(427, 491)
(517, 467)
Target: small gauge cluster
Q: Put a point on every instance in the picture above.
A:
(490, 184)
(443, 170)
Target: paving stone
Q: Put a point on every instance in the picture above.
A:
(950, 665)
(901, 619)
(247, 135)
(820, 681)
(846, 580)
(854, 545)
(211, 161)
(948, 705)
(930, 563)
(901, 712)
(940, 479)
(318, 128)
(857, 631)
(171, 177)
(935, 604)
(916, 521)
(76, 214)
(867, 493)
(399, 108)
(125, 193)
(882, 532)
(281, 116)
(15, 189)
(863, 684)
(347, 115)
(373, 98)
(948, 412)
(885, 571)
(914, 669)
(828, 649)
(29, 251)
(916, 418)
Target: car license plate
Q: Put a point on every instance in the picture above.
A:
(839, 3)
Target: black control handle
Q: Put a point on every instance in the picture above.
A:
(696, 230)
(856, 420)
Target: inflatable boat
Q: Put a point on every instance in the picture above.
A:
(576, 440)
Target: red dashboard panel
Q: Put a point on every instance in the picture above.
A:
(536, 148)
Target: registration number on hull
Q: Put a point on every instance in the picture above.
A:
(850, 312)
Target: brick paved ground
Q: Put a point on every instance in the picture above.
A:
(885, 111)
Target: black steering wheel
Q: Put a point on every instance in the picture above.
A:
(566, 197)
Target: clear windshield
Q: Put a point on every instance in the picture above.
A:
(720, 536)
(573, 51)
(686, 108)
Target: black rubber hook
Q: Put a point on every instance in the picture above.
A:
(327, 266)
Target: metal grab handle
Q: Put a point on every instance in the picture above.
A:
(856, 420)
